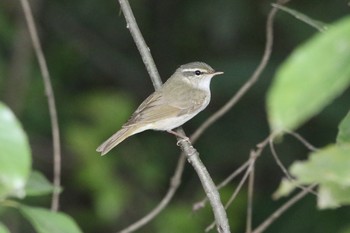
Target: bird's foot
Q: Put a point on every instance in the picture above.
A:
(183, 138)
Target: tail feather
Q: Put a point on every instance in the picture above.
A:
(115, 139)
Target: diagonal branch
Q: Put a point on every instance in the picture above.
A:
(187, 148)
(51, 103)
(174, 184)
(263, 226)
(251, 81)
(144, 50)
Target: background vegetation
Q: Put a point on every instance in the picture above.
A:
(99, 79)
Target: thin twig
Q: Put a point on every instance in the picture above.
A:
(141, 44)
(303, 140)
(209, 187)
(243, 90)
(201, 204)
(264, 225)
(51, 103)
(250, 201)
(187, 148)
(244, 178)
(320, 26)
(260, 147)
(254, 154)
(233, 196)
(278, 161)
(174, 184)
(238, 188)
(284, 169)
(237, 96)
(251, 81)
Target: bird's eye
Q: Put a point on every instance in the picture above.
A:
(198, 72)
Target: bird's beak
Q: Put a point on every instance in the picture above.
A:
(217, 73)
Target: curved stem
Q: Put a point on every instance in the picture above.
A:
(51, 103)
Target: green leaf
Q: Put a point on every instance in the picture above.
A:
(344, 130)
(38, 185)
(316, 73)
(284, 189)
(332, 196)
(329, 168)
(15, 155)
(3, 228)
(46, 221)
(329, 165)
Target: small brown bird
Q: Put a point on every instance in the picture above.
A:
(181, 97)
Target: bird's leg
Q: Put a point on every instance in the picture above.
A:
(179, 135)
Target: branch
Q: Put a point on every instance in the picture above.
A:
(235, 193)
(263, 226)
(141, 44)
(254, 154)
(201, 204)
(191, 153)
(250, 201)
(251, 81)
(284, 169)
(51, 103)
(174, 184)
(300, 138)
(208, 185)
(244, 89)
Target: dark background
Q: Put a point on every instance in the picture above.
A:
(99, 79)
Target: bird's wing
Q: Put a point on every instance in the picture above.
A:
(153, 109)
(157, 107)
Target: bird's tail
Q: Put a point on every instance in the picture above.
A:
(115, 139)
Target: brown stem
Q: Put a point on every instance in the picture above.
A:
(51, 103)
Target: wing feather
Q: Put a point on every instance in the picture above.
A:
(153, 109)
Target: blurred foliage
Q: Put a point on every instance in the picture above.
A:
(99, 79)
(3, 228)
(343, 136)
(329, 168)
(15, 160)
(45, 220)
(320, 64)
(16, 183)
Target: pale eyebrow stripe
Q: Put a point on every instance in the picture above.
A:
(192, 70)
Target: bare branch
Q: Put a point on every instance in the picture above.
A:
(201, 204)
(174, 184)
(263, 226)
(254, 154)
(322, 27)
(251, 81)
(278, 161)
(51, 103)
(191, 154)
(303, 140)
(141, 44)
(284, 169)
(208, 185)
(250, 201)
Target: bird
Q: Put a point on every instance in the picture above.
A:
(179, 99)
